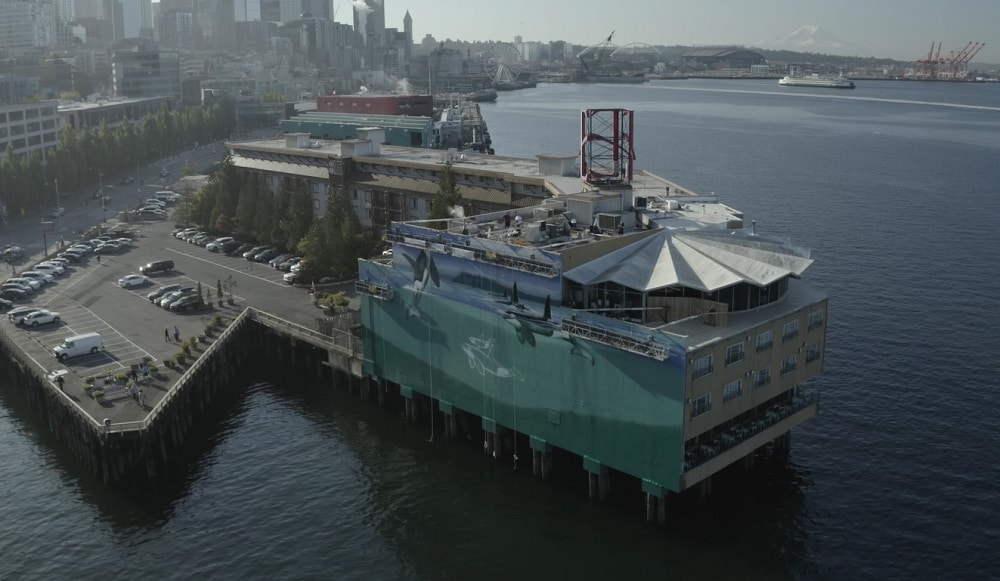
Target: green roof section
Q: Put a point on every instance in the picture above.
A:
(400, 130)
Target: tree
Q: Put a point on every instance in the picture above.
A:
(447, 196)
(299, 216)
(334, 243)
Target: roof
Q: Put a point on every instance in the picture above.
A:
(706, 260)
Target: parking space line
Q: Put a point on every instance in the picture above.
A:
(245, 272)
(119, 350)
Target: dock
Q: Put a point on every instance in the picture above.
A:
(125, 438)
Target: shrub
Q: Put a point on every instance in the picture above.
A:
(97, 394)
(90, 381)
(121, 376)
(216, 321)
(153, 369)
(180, 358)
(186, 349)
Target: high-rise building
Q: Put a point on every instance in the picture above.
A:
(369, 21)
(88, 9)
(246, 10)
(66, 10)
(25, 25)
(270, 10)
(137, 17)
(292, 10)
(141, 69)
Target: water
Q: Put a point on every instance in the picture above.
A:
(895, 187)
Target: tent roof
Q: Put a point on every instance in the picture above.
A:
(706, 260)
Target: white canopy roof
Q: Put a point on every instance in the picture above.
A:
(706, 260)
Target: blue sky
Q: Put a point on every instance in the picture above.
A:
(899, 29)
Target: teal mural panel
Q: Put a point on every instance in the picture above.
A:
(510, 361)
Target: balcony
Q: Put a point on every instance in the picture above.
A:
(742, 439)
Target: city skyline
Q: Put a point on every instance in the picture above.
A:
(897, 29)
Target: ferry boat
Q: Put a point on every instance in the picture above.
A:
(795, 78)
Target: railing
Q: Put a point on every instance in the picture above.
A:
(742, 432)
(173, 392)
(340, 339)
(644, 346)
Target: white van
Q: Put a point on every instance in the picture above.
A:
(78, 345)
(167, 196)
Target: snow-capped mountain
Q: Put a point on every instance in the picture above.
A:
(811, 38)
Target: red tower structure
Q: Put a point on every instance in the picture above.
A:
(607, 148)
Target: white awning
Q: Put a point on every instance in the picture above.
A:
(706, 260)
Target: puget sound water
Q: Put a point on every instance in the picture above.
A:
(894, 186)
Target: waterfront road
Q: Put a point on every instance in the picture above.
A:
(88, 299)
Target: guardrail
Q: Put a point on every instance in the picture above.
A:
(340, 339)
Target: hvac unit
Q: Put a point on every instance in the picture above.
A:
(608, 222)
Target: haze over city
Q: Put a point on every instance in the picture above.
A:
(898, 29)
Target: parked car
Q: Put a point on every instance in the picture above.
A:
(155, 202)
(107, 248)
(40, 317)
(27, 290)
(12, 294)
(48, 267)
(131, 280)
(203, 239)
(158, 293)
(72, 256)
(239, 250)
(17, 315)
(157, 266)
(288, 264)
(171, 297)
(188, 301)
(181, 233)
(41, 277)
(273, 262)
(250, 254)
(127, 180)
(32, 284)
(57, 212)
(216, 245)
(12, 253)
(290, 277)
(6, 305)
(230, 246)
(266, 255)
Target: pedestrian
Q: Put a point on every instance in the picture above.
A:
(98, 258)
(60, 381)
(177, 333)
(506, 220)
(166, 334)
(142, 399)
(135, 374)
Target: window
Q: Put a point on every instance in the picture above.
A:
(815, 319)
(764, 341)
(428, 204)
(732, 391)
(702, 367)
(788, 365)
(413, 203)
(813, 353)
(791, 330)
(735, 353)
(701, 405)
(762, 377)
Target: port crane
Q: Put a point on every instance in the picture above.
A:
(951, 68)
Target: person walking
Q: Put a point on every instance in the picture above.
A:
(177, 333)
(166, 334)
(60, 381)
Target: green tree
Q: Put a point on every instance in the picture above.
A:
(447, 196)
(299, 216)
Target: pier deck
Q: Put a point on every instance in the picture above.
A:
(88, 299)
